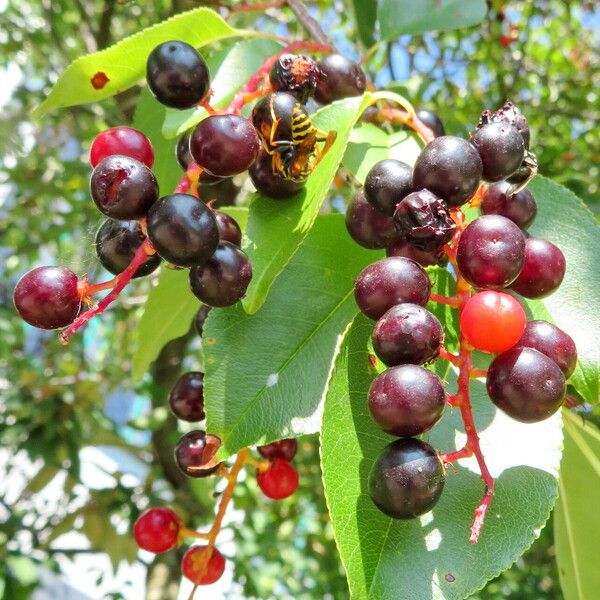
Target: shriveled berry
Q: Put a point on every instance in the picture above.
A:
(223, 279)
(406, 400)
(501, 149)
(296, 74)
(125, 141)
(520, 208)
(543, 269)
(270, 184)
(388, 282)
(123, 188)
(195, 454)
(279, 481)
(432, 120)
(423, 220)
(229, 230)
(407, 334)
(508, 114)
(157, 530)
(285, 449)
(199, 571)
(367, 226)
(492, 321)
(340, 78)
(407, 479)
(186, 398)
(48, 297)
(425, 258)
(526, 384)
(387, 183)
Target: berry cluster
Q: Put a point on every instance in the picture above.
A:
(416, 215)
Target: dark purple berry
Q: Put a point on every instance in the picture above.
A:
(367, 226)
(116, 244)
(186, 398)
(387, 183)
(182, 151)
(407, 479)
(284, 449)
(340, 77)
(449, 167)
(229, 230)
(223, 279)
(553, 342)
(526, 384)
(407, 334)
(424, 257)
(271, 184)
(423, 220)
(508, 114)
(501, 149)
(123, 188)
(177, 75)
(432, 121)
(388, 282)
(183, 229)
(406, 400)
(200, 318)
(48, 297)
(195, 454)
(296, 74)
(219, 191)
(543, 269)
(491, 251)
(520, 208)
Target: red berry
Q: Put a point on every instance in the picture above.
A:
(279, 481)
(492, 321)
(197, 571)
(122, 140)
(285, 449)
(157, 530)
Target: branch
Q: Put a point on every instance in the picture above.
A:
(312, 26)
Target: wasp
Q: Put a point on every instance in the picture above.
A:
(289, 137)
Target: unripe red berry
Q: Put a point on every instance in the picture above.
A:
(279, 481)
(157, 529)
(192, 565)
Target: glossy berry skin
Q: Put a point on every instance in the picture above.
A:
(123, 188)
(492, 321)
(229, 230)
(423, 220)
(526, 384)
(47, 297)
(183, 229)
(407, 334)
(340, 78)
(296, 74)
(200, 318)
(491, 252)
(116, 244)
(367, 226)
(191, 565)
(406, 400)
(543, 269)
(279, 481)
(157, 530)
(387, 183)
(224, 145)
(195, 454)
(449, 167)
(553, 342)
(186, 398)
(177, 75)
(223, 279)
(407, 479)
(125, 141)
(520, 208)
(388, 282)
(285, 449)
(424, 257)
(432, 121)
(182, 151)
(501, 149)
(270, 184)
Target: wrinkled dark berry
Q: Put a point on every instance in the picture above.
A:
(296, 74)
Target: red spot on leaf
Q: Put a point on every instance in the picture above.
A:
(373, 360)
(99, 80)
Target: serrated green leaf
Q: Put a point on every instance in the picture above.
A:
(576, 534)
(272, 385)
(365, 16)
(430, 558)
(230, 70)
(398, 17)
(125, 63)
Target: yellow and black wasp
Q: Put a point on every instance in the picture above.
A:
(289, 137)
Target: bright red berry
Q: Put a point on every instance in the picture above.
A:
(157, 530)
(122, 140)
(285, 449)
(492, 321)
(194, 567)
(279, 481)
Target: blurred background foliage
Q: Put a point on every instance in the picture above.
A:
(58, 404)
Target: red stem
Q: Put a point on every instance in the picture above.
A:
(453, 301)
(451, 358)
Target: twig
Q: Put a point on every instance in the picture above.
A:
(311, 25)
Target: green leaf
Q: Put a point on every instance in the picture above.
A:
(265, 374)
(576, 530)
(365, 15)
(230, 70)
(125, 63)
(431, 557)
(41, 479)
(398, 17)
(368, 144)
(565, 221)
